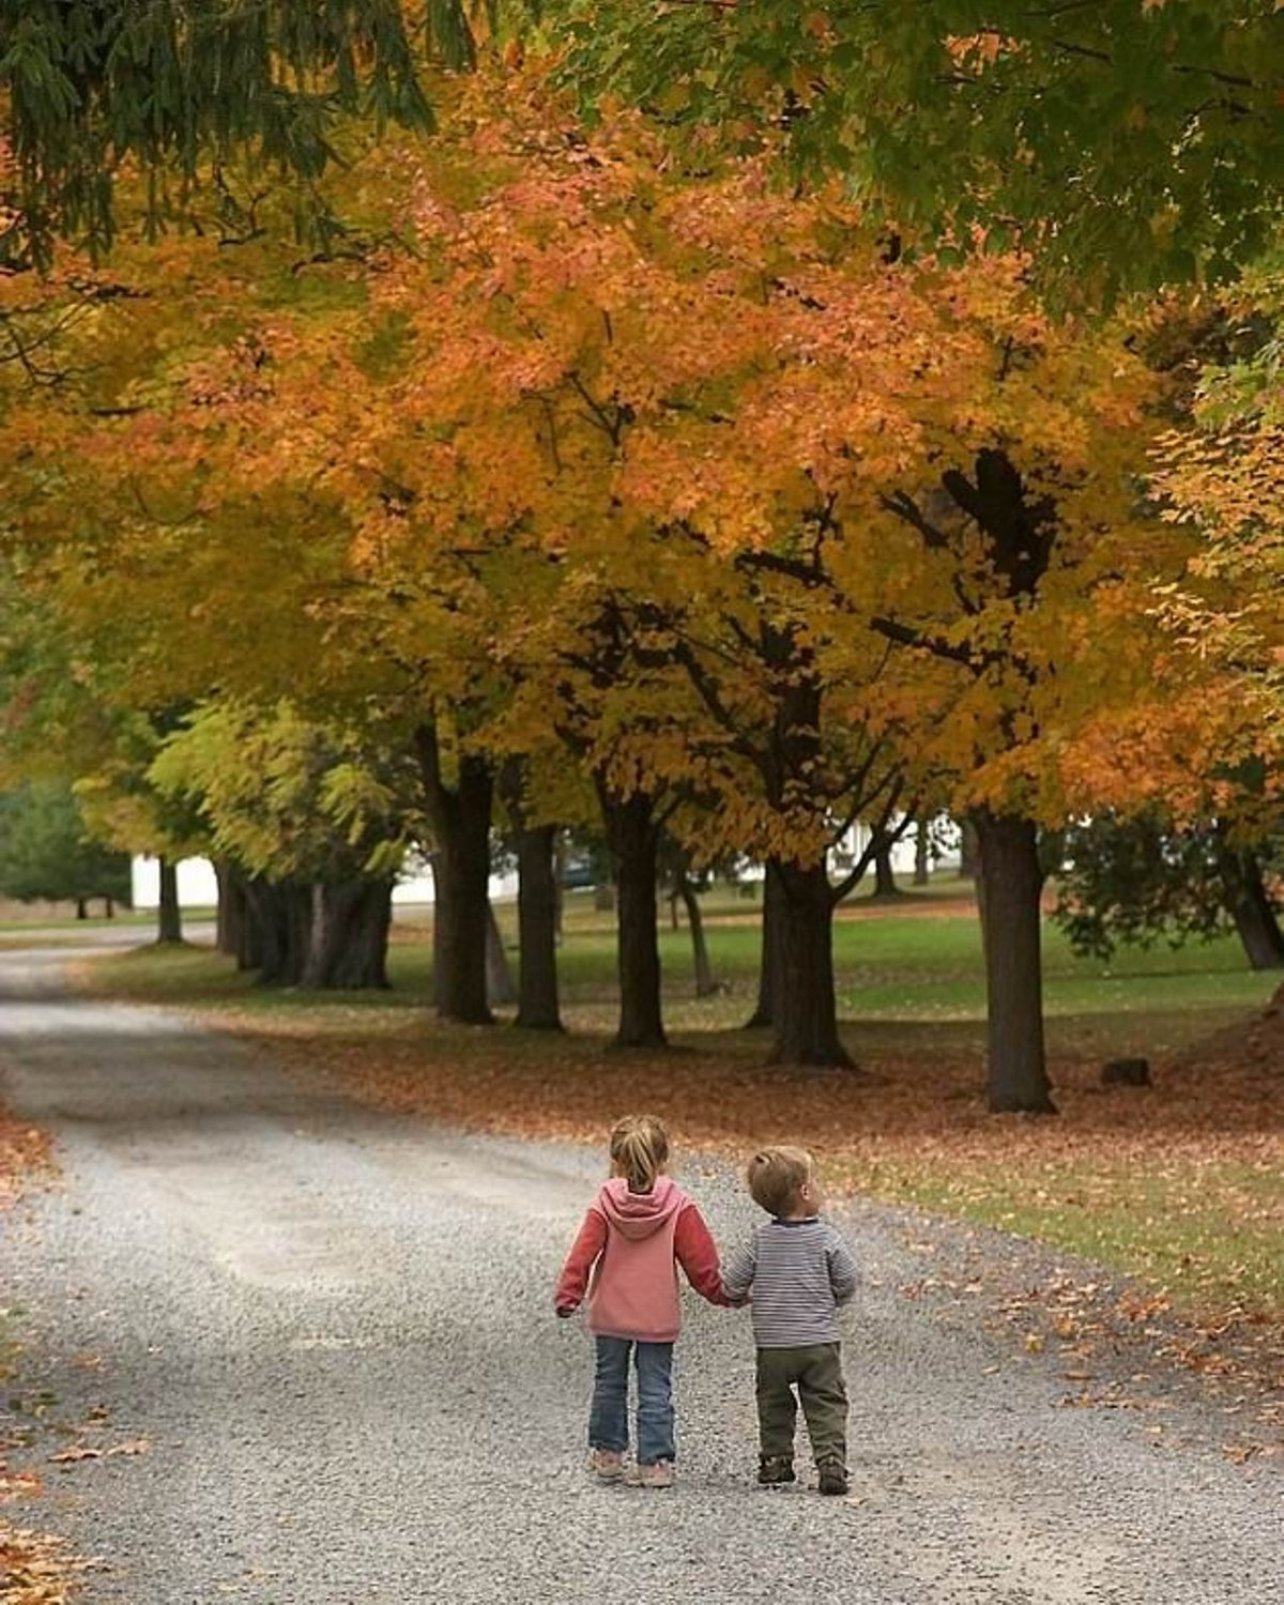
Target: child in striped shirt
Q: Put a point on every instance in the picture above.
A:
(796, 1271)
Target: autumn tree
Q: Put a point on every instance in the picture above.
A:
(1219, 477)
(598, 410)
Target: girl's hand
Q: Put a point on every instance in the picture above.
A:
(565, 1310)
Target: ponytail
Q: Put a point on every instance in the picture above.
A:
(639, 1148)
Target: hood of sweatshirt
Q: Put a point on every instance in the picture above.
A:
(638, 1215)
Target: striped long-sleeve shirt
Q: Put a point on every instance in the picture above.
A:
(797, 1273)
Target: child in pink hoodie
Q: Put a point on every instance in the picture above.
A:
(638, 1230)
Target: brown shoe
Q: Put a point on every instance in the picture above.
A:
(657, 1474)
(608, 1464)
(774, 1471)
(833, 1477)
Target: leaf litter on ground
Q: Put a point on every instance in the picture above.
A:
(1179, 1187)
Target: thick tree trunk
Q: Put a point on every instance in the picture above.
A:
(269, 915)
(82, 908)
(232, 911)
(109, 907)
(460, 818)
(807, 1016)
(537, 920)
(922, 852)
(281, 916)
(347, 946)
(771, 960)
(632, 836)
(249, 929)
(705, 984)
(170, 919)
(500, 991)
(884, 876)
(1249, 906)
(1012, 881)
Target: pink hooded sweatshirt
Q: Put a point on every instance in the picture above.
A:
(627, 1253)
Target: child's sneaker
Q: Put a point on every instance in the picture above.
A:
(775, 1470)
(608, 1464)
(658, 1474)
(833, 1477)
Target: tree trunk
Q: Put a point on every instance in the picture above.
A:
(500, 991)
(633, 837)
(537, 921)
(170, 919)
(884, 876)
(82, 908)
(232, 913)
(266, 905)
(705, 984)
(109, 907)
(807, 1016)
(1249, 906)
(922, 852)
(282, 917)
(1012, 880)
(347, 948)
(460, 819)
(249, 931)
(771, 960)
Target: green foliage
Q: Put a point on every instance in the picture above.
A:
(1134, 142)
(91, 84)
(283, 795)
(1140, 880)
(45, 853)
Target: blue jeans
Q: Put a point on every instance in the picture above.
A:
(609, 1416)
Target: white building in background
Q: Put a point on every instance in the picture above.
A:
(198, 885)
(946, 838)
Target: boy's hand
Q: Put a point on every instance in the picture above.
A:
(564, 1311)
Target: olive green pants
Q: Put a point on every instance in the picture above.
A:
(817, 1373)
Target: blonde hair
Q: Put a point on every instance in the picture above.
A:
(639, 1148)
(776, 1176)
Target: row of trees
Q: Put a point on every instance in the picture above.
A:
(576, 481)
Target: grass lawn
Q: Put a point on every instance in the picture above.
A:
(1181, 1184)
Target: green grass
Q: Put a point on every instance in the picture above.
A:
(920, 975)
(144, 918)
(1210, 1234)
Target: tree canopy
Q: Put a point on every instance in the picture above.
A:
(1128, 142)
(92, 89)
(666, 497)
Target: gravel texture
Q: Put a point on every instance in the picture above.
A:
(333, 1330)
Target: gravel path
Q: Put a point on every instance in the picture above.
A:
(332, 1329)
